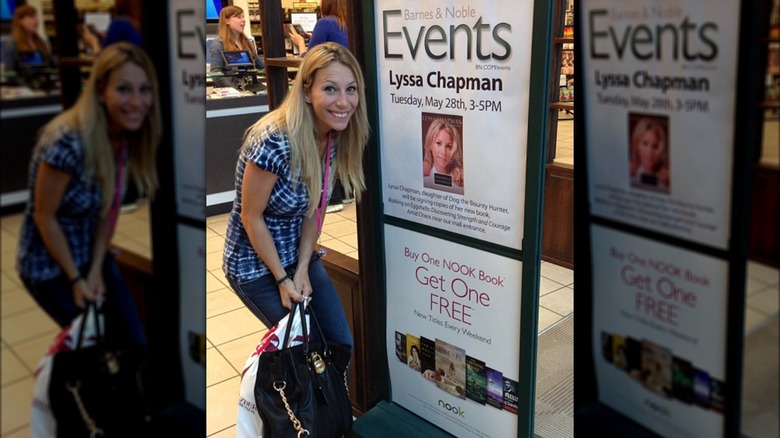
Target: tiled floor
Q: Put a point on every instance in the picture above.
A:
(27, 331)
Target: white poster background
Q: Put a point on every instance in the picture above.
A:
(188, 100)
(410, 35)
(653, 57)
(634, 277)
(422, 272)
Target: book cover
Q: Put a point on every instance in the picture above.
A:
(476, 380)
(701, 388)
(682, 380)
(413, 352)
(606, 346)
(400, 346)
(717, 395)
(510, 395)
(428, 357)
(495, 388)
(619, 358)
(634, 358)
(657, 368)
(450, 368)
(442, 152)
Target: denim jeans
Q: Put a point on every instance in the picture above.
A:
(123, 324)
(261, 297)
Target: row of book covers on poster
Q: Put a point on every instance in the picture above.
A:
(453, 333)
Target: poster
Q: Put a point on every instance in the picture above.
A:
(453, 334)
(453, 104)
(188, 99)
(659, 99)
(659, 333)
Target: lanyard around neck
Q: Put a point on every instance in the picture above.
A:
(120, 168)
(325, 184)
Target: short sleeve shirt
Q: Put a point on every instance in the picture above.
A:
(284, 214)
(77, 216)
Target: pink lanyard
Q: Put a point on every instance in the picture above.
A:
(112, 214)
(324, 197)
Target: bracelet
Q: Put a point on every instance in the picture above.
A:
(76, 279)
(283, 279)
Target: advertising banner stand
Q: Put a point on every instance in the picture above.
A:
(457, 100)
(666, 130)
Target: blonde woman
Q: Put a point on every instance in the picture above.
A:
(81, 164)
(649, 167)
(318, 131)
(231, 37)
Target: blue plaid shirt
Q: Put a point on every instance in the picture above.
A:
(78, 213)
(283, 215)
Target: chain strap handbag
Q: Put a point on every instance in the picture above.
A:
(302, 391)
(96, 390)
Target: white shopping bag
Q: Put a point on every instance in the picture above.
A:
(42, 422)
(249, 424)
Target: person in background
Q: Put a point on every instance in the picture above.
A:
(285, 168)
(25, 38)
(231, 37)
(125, 25)
(81, 164)
(331, 27)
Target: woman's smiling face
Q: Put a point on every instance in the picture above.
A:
(334, 97)
(442, 150)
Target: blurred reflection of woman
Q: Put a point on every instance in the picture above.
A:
(25, 38)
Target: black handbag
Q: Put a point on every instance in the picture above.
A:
(97, 390)
(302, 391)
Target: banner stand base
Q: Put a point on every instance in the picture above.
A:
(389, 420)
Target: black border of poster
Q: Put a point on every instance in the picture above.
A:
(590, 415)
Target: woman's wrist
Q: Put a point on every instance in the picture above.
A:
(76, 279)
(283, 279)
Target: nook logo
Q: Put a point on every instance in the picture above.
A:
(457, 410)
(657, 408)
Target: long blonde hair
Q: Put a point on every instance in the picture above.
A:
(20, 35)
(88, 118)
(297, 118)
(227, 34)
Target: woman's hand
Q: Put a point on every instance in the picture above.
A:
(96, 283)
(288, 293)
(82, 293)
(303, 284)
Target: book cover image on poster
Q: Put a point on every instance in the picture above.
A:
(495, 388)
(400, 346)
(428, 358)
(511, 398)
(633, 358)
(606, 346)
(717, 395)
(450, 368)
(657, 368)
(648, 147)
(619, 358)
(413, 352)
(682, 380)
(701, 387)
(476, 380)
(442, 152)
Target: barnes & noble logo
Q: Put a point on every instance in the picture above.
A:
(457, 410)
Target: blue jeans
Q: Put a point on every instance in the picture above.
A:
(122, 321)
(261, 297)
